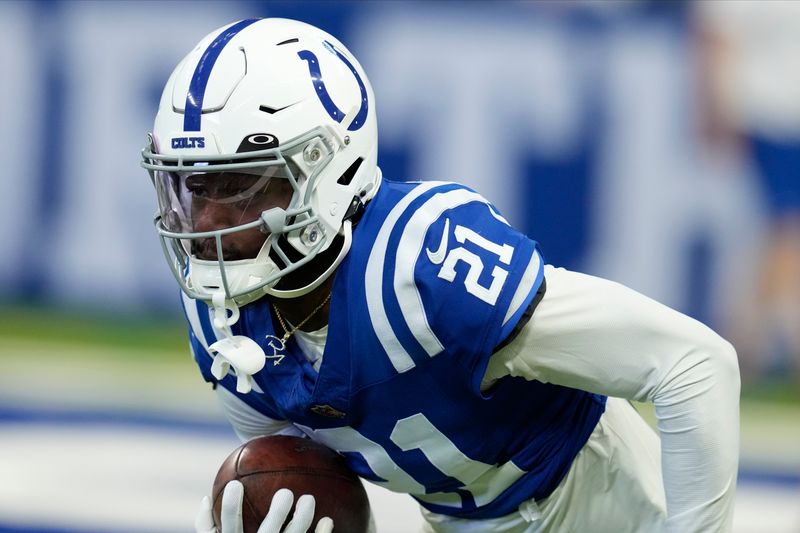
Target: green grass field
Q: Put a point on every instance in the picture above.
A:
(163, 336)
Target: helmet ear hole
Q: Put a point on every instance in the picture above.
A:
(350, 173)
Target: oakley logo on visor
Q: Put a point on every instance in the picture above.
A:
(188, 142)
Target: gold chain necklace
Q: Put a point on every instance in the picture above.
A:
(289, 332)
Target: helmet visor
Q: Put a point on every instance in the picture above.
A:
(198, 201)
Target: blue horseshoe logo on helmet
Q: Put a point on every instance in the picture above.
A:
(325, 98)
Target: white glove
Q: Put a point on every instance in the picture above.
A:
(281, 505)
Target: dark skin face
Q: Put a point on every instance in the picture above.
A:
(230, 199)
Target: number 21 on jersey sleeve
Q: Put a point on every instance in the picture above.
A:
(448, 272)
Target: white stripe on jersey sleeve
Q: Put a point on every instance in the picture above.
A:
(525, 285)
(247, 422)
(497, 215)
(408, 251)
(373, 284)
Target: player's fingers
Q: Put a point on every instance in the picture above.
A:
(231, 513)
(303, 515)
(204, 521)
(325, 525)
(279, 509)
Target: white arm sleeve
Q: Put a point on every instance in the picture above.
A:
(247, 422)
(592, 334)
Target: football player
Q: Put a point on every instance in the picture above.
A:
(407, 325)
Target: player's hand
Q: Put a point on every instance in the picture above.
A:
(279, 509)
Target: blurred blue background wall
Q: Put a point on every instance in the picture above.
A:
(584, 122)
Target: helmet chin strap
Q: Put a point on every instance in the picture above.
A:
(347, 233)
(241, 353)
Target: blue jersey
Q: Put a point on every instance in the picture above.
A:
(435, 280)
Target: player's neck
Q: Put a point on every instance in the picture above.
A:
(296, 310)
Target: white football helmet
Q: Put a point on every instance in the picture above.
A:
(259, 107)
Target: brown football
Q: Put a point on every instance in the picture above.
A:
(266, 464)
